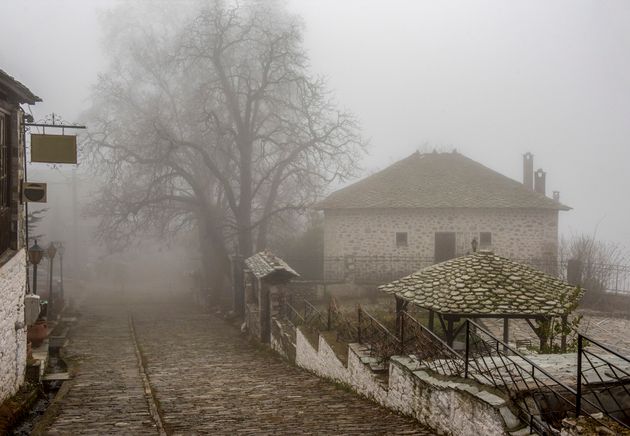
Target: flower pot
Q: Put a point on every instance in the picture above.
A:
(37, 332)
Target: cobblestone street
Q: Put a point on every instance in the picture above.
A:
(206, 379)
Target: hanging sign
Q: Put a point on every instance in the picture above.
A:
(54, 148)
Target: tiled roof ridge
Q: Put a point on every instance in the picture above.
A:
(483, 284)
(414, 182)
(265, 263)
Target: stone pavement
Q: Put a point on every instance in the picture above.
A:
(207, 379)
(106, 396)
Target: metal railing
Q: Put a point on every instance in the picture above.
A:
(609, 278)
(426, 347)
(603, 381)
(309, 316)
(340, 321)
(291, 314)
(542, 400)
(381, 343)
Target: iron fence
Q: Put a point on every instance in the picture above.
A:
(542, 400)
(291, 314)
(381, 343)
(426, 347)
(310, 316)
(597, 277)
(603, 381)
(340, 321)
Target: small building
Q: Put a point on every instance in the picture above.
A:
(266, 276)
(430, 207)
(13, 275)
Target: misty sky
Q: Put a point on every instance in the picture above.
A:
(493, 79)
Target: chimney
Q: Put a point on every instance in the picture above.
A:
(528, 171)
(539, 181)
(556, 196)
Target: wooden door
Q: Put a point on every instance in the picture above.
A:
(444, 246)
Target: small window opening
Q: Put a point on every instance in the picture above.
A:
(485, 239)
(401, 239)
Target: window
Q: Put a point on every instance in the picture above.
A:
(5, 186)
(401, 239)
(485, 239)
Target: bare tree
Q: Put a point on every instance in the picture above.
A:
(599, 261)
(213, 122)
(284, 138)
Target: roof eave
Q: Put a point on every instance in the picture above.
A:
(20, 91)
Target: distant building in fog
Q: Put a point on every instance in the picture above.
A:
(12, 235)
(429, 208)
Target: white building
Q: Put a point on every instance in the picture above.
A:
(429, 208)
(12, 235)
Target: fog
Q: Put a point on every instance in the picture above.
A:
(491, 79)
(209, 262)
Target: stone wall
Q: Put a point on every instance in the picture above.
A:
(12, 330)
(516, 233)
(451, 406)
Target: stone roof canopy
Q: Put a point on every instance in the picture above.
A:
(483, 284)
(266, 265)
(437, 180)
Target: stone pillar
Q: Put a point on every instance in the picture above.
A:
(264, 307)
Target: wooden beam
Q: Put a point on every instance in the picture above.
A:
(442, 322)
(449, 333)
(431, 321)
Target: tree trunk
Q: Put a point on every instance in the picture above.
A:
(214, 257)
(244, 215)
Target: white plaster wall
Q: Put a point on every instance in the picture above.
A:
(12, 342)
(516, 233)
(449, 406)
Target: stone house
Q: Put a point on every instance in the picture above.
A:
(13, 275)
(430, 207)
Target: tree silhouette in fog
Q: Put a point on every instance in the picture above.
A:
(208, 118)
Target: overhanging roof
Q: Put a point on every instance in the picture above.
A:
(437, 180)
(266, 265)
(484, 284)
(11, 86)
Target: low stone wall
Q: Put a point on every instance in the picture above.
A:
(12, 329)
(449, 405)
(283, 339)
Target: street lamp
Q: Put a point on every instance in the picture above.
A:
(35, 254)
(51, 251)
(61, 249)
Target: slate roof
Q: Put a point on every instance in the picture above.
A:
(483, 284)
(23, 94)
(437, 180)
(266, 264)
